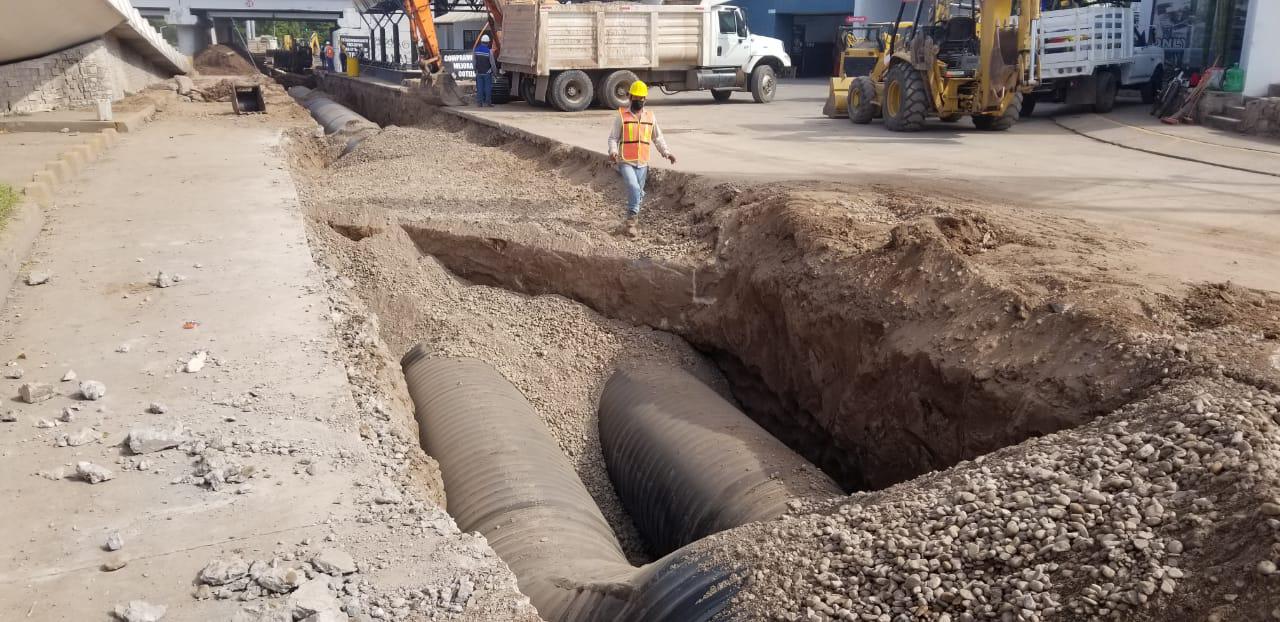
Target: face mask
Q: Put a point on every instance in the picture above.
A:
(637, 105)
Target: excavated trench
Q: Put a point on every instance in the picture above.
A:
(877, 356)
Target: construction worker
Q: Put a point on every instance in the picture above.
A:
(328, 56)
(483, 57)
(634, 132)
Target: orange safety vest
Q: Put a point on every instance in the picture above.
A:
(637, 135)
(328, 51)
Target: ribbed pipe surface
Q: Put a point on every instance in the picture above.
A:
(334, 117)
(506, 478)
(686, 463)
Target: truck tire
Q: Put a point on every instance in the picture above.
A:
(1151, 89)
(1029, 102)
(613, 92)
(528, 92)
(502, 88)
(764, 84)
(906, 103)
(862, 100)
(721, 95)
(1105, 99)
(571, 91)
(1000, 123)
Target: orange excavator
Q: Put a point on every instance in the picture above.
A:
(435, 80)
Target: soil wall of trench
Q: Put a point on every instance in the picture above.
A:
(879, 359)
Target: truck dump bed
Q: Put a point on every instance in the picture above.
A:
(539, 39)
(1073, 42)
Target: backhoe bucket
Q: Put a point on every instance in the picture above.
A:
(439, 89)
(837, 106)
(248, 99)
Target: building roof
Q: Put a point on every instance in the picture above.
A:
(458, 17)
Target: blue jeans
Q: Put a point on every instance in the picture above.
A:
(634, 176)
(484, 89)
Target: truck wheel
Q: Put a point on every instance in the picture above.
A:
(764, 84)
(1152, 88)
(1000, 123)
(1107, 89)
(571, 91)
(721, 95)
(614, 90)
(862, 100)
(905, 100)
(502, 88)
(1028, 105)
(528, 88)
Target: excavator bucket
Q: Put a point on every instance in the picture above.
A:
(438, 89)
(837, 106)
(247, 99)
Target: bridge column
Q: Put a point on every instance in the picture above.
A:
(192, 38)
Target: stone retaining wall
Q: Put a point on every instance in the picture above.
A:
(77, 77)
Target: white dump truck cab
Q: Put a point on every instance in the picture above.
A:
(570, 56)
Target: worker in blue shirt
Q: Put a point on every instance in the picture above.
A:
(484, 64)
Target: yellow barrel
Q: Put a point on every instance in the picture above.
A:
(353, 66)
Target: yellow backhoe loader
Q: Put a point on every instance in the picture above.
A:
(972, 58)
(860, 49)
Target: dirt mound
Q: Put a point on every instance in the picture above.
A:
(220, 60)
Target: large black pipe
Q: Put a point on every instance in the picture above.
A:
(506, 478)
(686, 463)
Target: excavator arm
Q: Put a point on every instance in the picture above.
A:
(423, 31)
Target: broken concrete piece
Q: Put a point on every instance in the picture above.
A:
(323, 616)
(92, 390)
(313, 598)
(114, 564)
(68, 415)
(147, 440)
(124, 348)
(280, 579)
(115, 541)
(69, 376)
(164, 279)
(37, 278)
(45, 424)
(184, 84)
(140, 611)
(157, 408)
(334, 562)
(33, 392)
(264, 612)
(196, 363)
(83, 437)
(9, 416)
(223, 571)
(13, 373)
(93, 473)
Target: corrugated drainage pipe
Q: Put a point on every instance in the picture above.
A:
(334, 117)
(686, 463)
(506, 478)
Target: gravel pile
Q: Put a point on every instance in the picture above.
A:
(1168, 509)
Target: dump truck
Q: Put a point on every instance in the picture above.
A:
(570, 56)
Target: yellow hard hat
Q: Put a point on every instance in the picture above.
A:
(639, 89)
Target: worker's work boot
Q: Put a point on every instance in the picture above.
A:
(627, 227)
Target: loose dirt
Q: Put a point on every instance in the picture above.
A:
(220, 60)
(887, 335)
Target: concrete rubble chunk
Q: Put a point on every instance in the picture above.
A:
(13, 373)
(115, 541)
(37, 278)
(35, 392)
(184, 84)
(157, 408)
(314, 598)
(46, 423)
(264, 612)
(93, 473)
(223, 571)
(83, 437)
(324, 616)
(196, 363)
(151, 439)
(165, 279)
(9, 416)
(140, 611)
(69, 376)
(279, 579)
(92, 390)
(334, 562)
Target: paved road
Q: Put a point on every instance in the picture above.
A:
(1200, 222)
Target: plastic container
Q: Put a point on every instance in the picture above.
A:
(1233, 79)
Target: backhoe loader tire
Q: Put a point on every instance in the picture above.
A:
(571, 91)
(906, 102)
(862, 100)
(992, 123)
(1028, 105)
(613, 91)
(1107, 89)
(721, 95)
(764, 84)
(951, 118)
